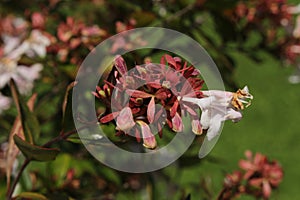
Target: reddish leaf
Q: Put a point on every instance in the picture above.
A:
(170, 60)
(135, 110)
(161, 94)
(125, 120)
(174, 108)
(190, 110)
(151, 110)
(138, 94)
(120, 65)
(109, 117)
(137, 135)
(154, 85)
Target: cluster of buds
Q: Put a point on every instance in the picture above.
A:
(257, 177)
(278, 21)
(145, 98)
(122, 41)
(71, 36)
(268, 16)
(255, 11)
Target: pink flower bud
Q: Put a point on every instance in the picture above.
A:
(38, 20)
(196, 127)
(266, 189)
(148, 138)
(177, 124)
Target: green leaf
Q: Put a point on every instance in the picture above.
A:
(75, 140)
(36, 153)
(31, 195)
(29, 121)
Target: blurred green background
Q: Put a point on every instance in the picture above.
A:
(270, 125)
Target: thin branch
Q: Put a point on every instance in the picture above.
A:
(182, 12)
(176, 15)
(62, 136)
(13, 187)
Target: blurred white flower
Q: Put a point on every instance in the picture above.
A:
(4, 103)
(34, 45)
(37, 43)
(10, 43)
(24, 76)
(14, 49)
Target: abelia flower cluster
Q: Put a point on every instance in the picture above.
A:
(146, 98)
(258, 177)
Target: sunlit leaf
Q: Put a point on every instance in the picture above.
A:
(33, 152)
(75, 140)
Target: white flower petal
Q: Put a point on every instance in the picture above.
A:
(30, 73)
(205, 119)
(245, 89)
(40, 50)
(215, 126)
(218, 94)
(203, 103)
(26, 76)
(10, 43)
(233, 115)
(4, 79)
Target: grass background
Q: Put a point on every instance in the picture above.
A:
(271, 125)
